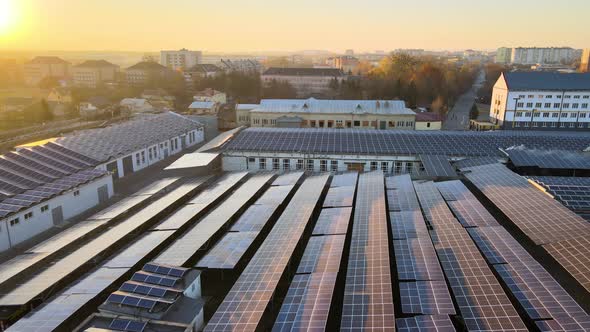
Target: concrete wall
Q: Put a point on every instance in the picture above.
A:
(72, 202)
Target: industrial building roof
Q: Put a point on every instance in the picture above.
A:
(312, 105)
(124, 138)
(547, 81)
(400, 142)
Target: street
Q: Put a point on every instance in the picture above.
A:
(458, 116)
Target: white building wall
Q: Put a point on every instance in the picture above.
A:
(72, 205)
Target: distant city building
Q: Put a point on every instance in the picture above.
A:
(203, 108)
(211, 95)
(145, 72)
(541, 101)
(544, 55)
(45, 66)
(503, 55)
(585, 61)
(349, 52)
(346, 63)
(314, 113)
(240, 65)
(203, 70)
(181, 59)
(307, 81)
(92, 73)
(94, 106)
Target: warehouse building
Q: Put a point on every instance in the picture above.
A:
(131, 146)
(315, 113)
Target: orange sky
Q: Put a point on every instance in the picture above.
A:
(286, 25)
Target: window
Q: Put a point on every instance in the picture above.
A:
(276, 164)
(581, 125)
(323, 165)
(398, 167)
(262, 163)
(531, 96)
(585, 105)
(575, 105)
(321, 123)
(536, 115)
(14, 222)
(357, 123)
(330, 123)
(365, 123)
(577, 97)
(299, 164)
(410, 167)
(529, 105)
(527, 114)
(286, 164)
(521, 96)
(143, 157)
(518, 114)
(373, 165)
(564, 115)
(554, 115)
(44, 208)
(428, 125)
(556, 105)
(334, 165)
(520, 105)
(538, 105)
(549, 96)
(553, 124)
(384, 166)
(545, 114)
(312, 123)
(137, 159)
(400, 123)
(586, 97)
(338, 123)
(310, 165)
(251, 160)
(77, 193)
(547, 105)
(391, 124)
(566, 105)
(567, 97)
(409, 123)
(28, 215)
(558, 97)
(348, 124)
(582, 115)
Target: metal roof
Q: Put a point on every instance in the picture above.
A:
(399, 142)
(127, 137)
(312, 105)
(202, 104)
(547, 81)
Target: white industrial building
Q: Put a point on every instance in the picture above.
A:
(136, 144)
(541, 101)
(45, 186)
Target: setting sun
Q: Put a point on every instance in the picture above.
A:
(6, 15)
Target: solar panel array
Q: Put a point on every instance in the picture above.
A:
(544, 220)
(465, 205)
(399, 142)
(199, 236)
(573, 192)
(45, 280)
(228, 252)
(480, 297)
(437, 166)
(476, 161)
(308, 300)
(432, 323)
(550, 159)
(245, 303)
(368, 299)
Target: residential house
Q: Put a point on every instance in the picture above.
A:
(93, 73)
(203, 70)
(203, 108)
(94, 107)
(42, 67)
(159, 98)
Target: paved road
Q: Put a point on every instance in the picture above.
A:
(458, 117)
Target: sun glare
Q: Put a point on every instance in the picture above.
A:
(6, 15)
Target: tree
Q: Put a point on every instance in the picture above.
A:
(474, 112)
(438, 105)
(279, 90)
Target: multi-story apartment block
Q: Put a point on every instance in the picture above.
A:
(92, 73)
(145, 72)
(346, 63)
(544, 55)
(314, 113)
(307, 81)
(45, 66)
(585, 61)
(180, 60)
(541, 101)
(503, 55)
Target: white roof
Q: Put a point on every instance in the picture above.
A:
(247, 106)
(312, 105)
(201, 104)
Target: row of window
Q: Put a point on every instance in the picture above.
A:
(338, 123)
(555, 105)
(278, 164)
(556, 96)
(27, 216)
(571, 115)
(550, 125)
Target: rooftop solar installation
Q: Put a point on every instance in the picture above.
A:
(71, 153)
(156, 186)
(333, 221)
(549, 159)
(540, 295)
(228, 252)
(254, 218)
(416, 259)
(243, 307)
(434, 207)
(476, 161)
(426, 297)
(565, 324)
(407, 224)
(430, 323)
(45, 280)
(119, 208)
(24, 171)
(344, 179)
(437, 166)
(61, 157)
(573, 192)
(275, 195)
(574, 256)
(340, 196)
(543, 219)
(368, 298)
(290, 178)
(67, 303)
(399, 142)
(195, 159)
(322, 254)
(220, 187)
(200, 235)
(468, 210)
(307, 304)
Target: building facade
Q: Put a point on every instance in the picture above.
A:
(307, 81)
(314, 113)
(503, 55)
(92, 73)
(542, 55)
(585, 61)
(145, 72)
(180, 60)
(42, 67)
(541, 101)
(428, 121)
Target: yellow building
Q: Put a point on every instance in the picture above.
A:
(92, 73)
(45, 66)
(428, 121)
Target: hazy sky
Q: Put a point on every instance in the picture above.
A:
(288, 25)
